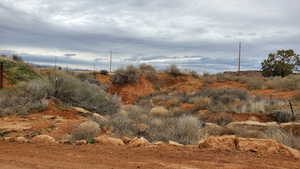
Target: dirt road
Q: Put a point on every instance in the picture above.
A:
(30, 156)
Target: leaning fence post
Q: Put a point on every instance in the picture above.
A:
(292, 110)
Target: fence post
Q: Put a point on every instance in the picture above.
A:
(293, 113)
(1, 75)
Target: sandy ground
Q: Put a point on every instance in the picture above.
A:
(31, 156)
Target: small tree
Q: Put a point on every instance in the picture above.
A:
(282, 63)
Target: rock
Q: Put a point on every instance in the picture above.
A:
(265, 146)
(158, 143)
(82, 111)
(138, 142)
(233, 143)
(109, 140)
(253, 118)
(43, 139)
(98, 116)
(125, 139)
(49, 117)
(21, 140)
(9, 139)
(159, 111)
(174, 143)
(251, 125)
(80, 142)
(67, 139)
(227, 143)
(211, 129)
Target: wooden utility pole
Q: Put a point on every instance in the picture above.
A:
(110, 61)
(1, 75)
(239, 59)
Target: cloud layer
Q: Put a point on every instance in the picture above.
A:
(198, 35)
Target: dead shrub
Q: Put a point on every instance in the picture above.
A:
(123, 76)
(173, 70)
(149, 71)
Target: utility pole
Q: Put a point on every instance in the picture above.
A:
(1, 75)
(110, 61)
(239, 59)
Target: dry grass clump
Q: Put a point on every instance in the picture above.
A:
(160, 111)
(85, 131)
(124, 76)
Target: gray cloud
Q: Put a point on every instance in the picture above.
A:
(199, 35)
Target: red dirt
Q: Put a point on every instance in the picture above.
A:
(103, 78)
(230, 84)
(239, 116)
(31, 156)
(130, 92)
(56, 109)
(275, 94)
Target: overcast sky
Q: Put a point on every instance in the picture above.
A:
(193, 34)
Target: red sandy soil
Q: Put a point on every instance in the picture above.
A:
(130, 92)
(32, 156)
(239, 116)
(230, 84)
(275, 94)
(144, 87)
(184, 84)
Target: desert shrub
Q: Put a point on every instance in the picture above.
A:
(279, 135)
(124, 76)
(254, 83)
(85, 131)
(74, 92)
(291, 82)
(24, 97)
(194, 74)
(149, 71)
(223, 120)
(90, 78)
(282, 116)
(184, 129)
(103, 72)
(223, 95)
(17, 58)
(134, 121)
(173, 70)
